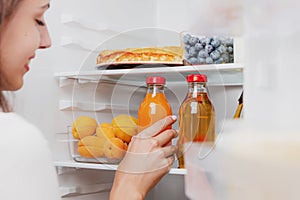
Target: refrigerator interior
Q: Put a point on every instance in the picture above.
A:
(64, 84)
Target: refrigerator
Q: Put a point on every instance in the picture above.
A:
(64, 82)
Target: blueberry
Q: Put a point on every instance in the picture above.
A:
(186, 38)
(193, 51)
(209, 48)
(228, 42)
(231, 58)
(187, 47)
(186, 55)
(222, 49)
(230, 49)
(222, 40)
(207, 40)
(201, 60)
(198, 46)
(215, 55)
(203, 41)
(219, 61)
(225, 57)
(215, 42)
(192, 60)
(209, 60)
(202, 54)
(194, 41)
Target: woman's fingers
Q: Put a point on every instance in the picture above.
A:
(165, 137)
(148, 162)
(169, 151)
(157, 127)
(170, 161)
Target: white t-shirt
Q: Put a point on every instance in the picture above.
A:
(26, 167)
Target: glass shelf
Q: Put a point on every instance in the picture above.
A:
(222, 74)
(73, 164)
(68, 105)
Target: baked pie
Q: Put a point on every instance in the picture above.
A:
(148, 54)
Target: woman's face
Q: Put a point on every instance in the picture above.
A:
(22, 35)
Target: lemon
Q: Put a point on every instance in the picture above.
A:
(105, 130)
(84, 126)
(91, 146)
(115, 148)
(125, 126)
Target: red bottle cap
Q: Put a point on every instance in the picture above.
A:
(196, 78)
(155, 80)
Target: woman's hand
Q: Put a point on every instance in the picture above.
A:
(147, 160)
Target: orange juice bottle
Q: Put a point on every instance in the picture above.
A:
(155, 105)
(196, 115)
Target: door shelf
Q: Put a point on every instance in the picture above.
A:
(73, 164)
(222, 74)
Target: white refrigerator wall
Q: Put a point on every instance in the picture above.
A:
(79, 29)
(38, 100)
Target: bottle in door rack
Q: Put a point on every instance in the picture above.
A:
(155, 105)
(196, 115)
(238, 111)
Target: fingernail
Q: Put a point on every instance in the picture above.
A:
(174, 117)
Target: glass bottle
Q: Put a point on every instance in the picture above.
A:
(238, 111)
(155, 105)
(196, 115)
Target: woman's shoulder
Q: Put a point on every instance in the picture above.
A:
(15, 127)
(27, 161)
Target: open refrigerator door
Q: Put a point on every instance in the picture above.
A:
(257, 157)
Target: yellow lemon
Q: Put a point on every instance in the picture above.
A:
(84, 126)
(125, 126)
(105, 130)
(91, 147)
(115, 148)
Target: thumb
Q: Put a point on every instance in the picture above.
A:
(157, 127)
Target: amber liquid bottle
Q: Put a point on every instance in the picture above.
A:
(155, 105)
(196, 115)
(238, 111)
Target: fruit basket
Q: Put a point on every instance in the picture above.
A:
(207, 50)
(104, 143)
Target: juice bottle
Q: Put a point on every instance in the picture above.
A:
(238, 111)
(155, 105)
(196, 115)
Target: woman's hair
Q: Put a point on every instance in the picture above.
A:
(7, 8)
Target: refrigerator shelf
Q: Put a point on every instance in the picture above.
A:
(68, 105)
(218, 74)
(73, 164)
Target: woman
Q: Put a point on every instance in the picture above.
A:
(26, 168)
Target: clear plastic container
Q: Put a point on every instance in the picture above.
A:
(97, 149)
(207, 49)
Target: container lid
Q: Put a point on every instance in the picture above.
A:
(196, 78)
(155, 80)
